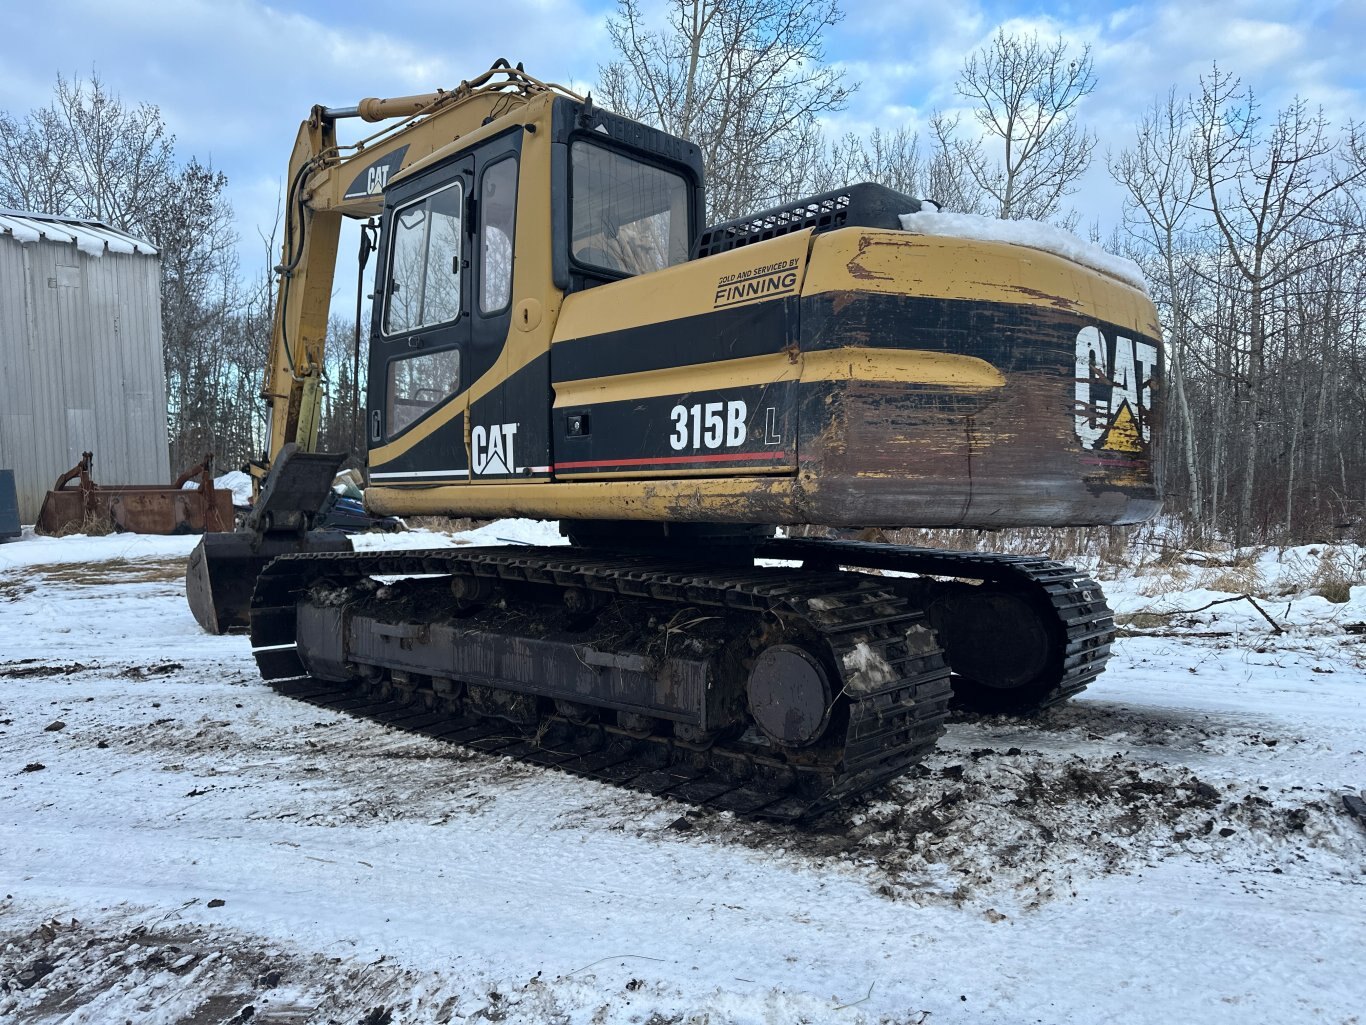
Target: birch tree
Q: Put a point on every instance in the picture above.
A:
(1161, 192)
(1269, 189)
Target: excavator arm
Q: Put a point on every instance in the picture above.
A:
(328, 181)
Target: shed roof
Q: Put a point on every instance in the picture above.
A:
(93, 237)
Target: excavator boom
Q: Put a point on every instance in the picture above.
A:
(327, 181)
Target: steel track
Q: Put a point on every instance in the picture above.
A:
(889, 728)
(890, 724)
(1084, 621)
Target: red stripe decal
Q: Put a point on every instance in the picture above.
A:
(719, 457)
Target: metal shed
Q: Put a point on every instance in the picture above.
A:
(80, 354)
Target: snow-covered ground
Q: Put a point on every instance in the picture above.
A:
(178, 844)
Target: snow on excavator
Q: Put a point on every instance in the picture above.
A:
(557, 334)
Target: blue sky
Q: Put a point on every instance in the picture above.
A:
(234, 77)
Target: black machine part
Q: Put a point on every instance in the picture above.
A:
(779, 692)
(294, 492)
(223, 567)
(1021, 633)
(617, 662)
(866, 205)
(9, 507)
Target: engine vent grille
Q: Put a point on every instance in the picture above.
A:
(866, 205)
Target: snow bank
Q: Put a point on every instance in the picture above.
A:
(1033, 234)
(236, 481)
(1307, 591)
(37, 550)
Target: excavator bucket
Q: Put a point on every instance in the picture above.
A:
(136, 508)
(223, 567)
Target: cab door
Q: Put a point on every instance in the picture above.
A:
(510, 399)
(420, 364)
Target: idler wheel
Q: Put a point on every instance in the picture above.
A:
(1002, 648)
(789, 695)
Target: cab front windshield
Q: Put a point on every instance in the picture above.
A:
(628, 217)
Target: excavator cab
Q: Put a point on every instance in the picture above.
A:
(478, 250)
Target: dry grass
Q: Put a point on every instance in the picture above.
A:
(444, 524)
(93, 525)
(1159, 558)
(1237, 579)
(1143, 621)
(1165, 578)
(117, 571)
(1336, 573)
(1338, 592)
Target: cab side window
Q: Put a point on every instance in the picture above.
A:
(498, 211)
(423, 283)
(419, 383)
(626, 216)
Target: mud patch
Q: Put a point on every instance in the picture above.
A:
(13, 591)
(342, 771)
(1034, 827)
(31, 667)
(200, 975)
(144, 672)
(1175, 728)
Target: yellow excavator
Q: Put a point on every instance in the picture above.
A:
(556, 333)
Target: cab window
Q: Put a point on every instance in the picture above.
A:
(498, 210)
(627, 216)
(423, 283)
(420, 383)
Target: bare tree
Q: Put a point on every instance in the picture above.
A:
(1025, 96)
(951, 178)
(1251, 230)
(745, 80)
(1269, 192)
(90, 155)
(343, 415)
(889, 158)
(34, 156)
(1161, 195)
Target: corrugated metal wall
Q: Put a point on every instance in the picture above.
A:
(80, 367)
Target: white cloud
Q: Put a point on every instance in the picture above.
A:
(235, 77)
(908, 60)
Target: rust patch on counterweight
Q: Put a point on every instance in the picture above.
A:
(1060, 302)
(858, 270)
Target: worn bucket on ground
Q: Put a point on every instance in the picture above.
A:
(88, 507)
